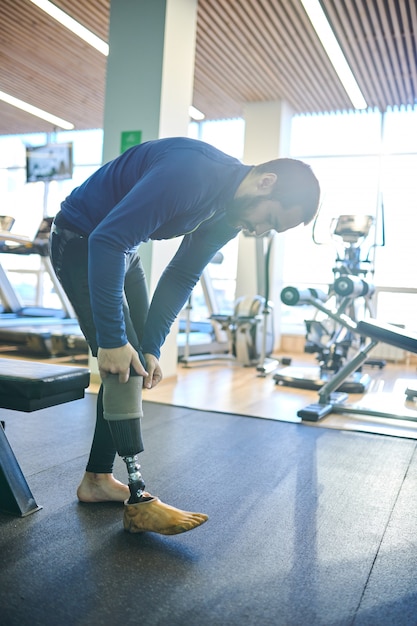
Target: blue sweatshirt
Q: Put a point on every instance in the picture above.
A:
(157, 190)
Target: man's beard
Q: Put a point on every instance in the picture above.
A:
(240, 209)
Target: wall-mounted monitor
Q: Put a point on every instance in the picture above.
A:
(52, 161)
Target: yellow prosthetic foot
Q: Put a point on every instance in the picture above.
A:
(157, 517)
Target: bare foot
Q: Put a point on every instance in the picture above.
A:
(101, 488)
(155, 516)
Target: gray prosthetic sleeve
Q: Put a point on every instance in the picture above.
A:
(122, 408)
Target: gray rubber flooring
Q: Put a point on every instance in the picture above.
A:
(308, 526)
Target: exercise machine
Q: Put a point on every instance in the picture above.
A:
(240, 336)
(16, 244)
(36, 328)
(267, 364)
(208, 339)
(250, 330)
(332, 400)
(350, 295)
(245, 335)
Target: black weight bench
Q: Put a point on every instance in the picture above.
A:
(29, 386)
(332, 401)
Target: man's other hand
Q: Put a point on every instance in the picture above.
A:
(154, 371)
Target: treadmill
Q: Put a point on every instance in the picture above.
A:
(40, 330)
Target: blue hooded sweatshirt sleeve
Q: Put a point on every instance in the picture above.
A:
(157, 190)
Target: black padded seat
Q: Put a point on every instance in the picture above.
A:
(388, 333)
(29, 386)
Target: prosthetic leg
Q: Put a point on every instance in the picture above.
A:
(122, 404)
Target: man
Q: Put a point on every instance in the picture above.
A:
(157, 190)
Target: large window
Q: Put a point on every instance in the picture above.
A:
(28, 203)
(366, 164)
(226, 135)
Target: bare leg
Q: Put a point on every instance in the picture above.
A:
(154, 516)
(101, 488)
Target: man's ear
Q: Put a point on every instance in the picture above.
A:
(266, 182)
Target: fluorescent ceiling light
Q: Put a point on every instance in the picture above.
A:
(82, 32)
(72, 25)
(20, 104)
(334, 52)
(195, 114)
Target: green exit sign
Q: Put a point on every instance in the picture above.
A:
(130, 138)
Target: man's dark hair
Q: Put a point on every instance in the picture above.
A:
(296, 185)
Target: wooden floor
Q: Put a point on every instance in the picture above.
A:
(226, 386)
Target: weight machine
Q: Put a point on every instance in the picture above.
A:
(206, 340)
(332, 399)
(350, 296)
(245, 336)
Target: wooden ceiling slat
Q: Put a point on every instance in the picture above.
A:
(22, 53)
(275, 57)
(37, 74)
(56, 43)
(211, 62)
(358, 44)
(263, 67)
(277, 78)
(246, 50)
(401, 46)
(249, 77)
(232, 40)
(18, 122)
(383, 59)
(409, 19)
(376, 53)
(394, 44)
(93, 14)
(318, 54)
(313, 71)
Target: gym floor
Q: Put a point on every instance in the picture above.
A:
(225, 386)
(308, 524)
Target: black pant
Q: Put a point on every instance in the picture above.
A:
(69, 257)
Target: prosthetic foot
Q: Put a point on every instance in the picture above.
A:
(122, 404)
(152, 515)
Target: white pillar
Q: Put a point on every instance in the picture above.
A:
(267, 137)
(267, 131)
(150, 70)
(149, 86)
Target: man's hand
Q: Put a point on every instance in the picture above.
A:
(118, 361)
(154, 371)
